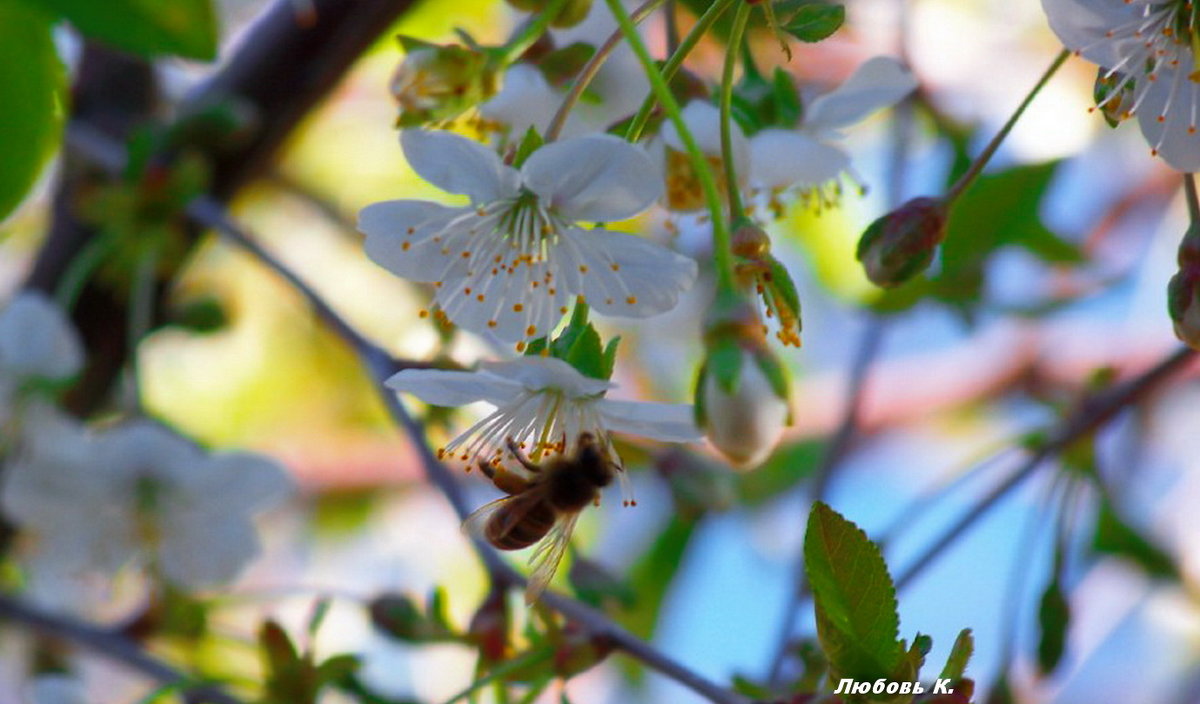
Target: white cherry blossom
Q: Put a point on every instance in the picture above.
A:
(1149, 49)
(809, 155)
(95, 502)
(511, 262)
(775, 158)
(37, 344)
(543, 404)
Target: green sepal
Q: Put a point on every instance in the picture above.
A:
(1102, 90)
(411, 44)
(814, 22)
(788, 108)
(530, 143)
(960, 655)
(586, 354)
(725, 364)
(785, 287)
(777, 376)
(1054, 615)
(699, 410)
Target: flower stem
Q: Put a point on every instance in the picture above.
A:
(706, 21)
(712, 198)
(141, 316)
(984, 157)
(1193, 202)
(536, 27)
(731, 51)
(590, 69)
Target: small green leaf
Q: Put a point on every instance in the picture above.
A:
(186, 28)
(788, 109)
(1115, 536)
(960, 655)
(857, 621)
(814, 22)
(609, 357)
(587, 355)
(1054, 614)
(32, 90)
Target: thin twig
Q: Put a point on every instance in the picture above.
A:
(113, 646)
(1094, 413)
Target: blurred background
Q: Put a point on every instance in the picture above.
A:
(959, 384)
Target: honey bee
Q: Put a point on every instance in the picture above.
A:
(543, 507)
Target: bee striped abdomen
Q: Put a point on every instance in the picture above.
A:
(508, 533)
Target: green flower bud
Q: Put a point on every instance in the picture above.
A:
(436, 83)
(900, 245)
(742, 397)
(1183, 292)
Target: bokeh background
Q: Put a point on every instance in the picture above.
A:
(948, 401)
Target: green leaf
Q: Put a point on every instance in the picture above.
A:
(1054, 614)
(186, 28)
(814, 22)
(999, 210)
(960, 655)
(561, 65)
(32, 89)
(530, 143)
(857, 621)
(1115, 536)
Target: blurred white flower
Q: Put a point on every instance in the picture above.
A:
(806, 157)
(512, 262)
(37, 344)
(55, 689)
(809, 155)
(543, 404)
(1148, 47)
(95, 502)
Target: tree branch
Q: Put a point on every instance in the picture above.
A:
(112, 646)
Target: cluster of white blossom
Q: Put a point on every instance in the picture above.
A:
(89, 501)
(528, 247)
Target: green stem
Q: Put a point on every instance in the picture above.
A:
(590, 69)
(82, 267)
(712, 197)
(982, 160)
(538, 24)
(141, 314)
(1193, 202)
(736, 209)
(706, 21)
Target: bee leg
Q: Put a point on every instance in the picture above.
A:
(520, 457)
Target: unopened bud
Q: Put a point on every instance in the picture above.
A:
(489, 627)
(437, 82)
(571, 14)
(900, 245)
(742, 394)
(1183, 293)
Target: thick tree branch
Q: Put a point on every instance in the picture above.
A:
(112, 646)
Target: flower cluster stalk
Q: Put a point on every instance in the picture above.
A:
(706, 21)
(736, 209)
(712, 198)
(591, 68)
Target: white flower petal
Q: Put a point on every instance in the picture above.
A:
(399, 236)
(525, 100)
(442, 387)
(538, 373)
(56, 689)
(459, 165)
(234, 483)
(879, 83)
(661, 421)
(1083, 26)
(37, 339)
(598, 177)
(625, 275)
(1167, 117)
(143, 448)
(703, 120)
(198, 551)
(781, 158)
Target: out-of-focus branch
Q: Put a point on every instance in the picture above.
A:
(1093, 413)
(112, 646)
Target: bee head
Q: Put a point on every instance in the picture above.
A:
(593, 460)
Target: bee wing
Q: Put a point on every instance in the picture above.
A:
(474, 524)
(547, 555)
